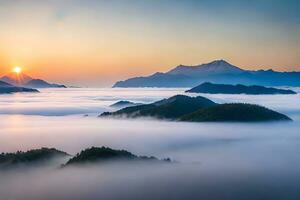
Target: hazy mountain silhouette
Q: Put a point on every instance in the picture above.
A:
(38, 83)
(236, 89)
(124, 104)
(185, 108)
(24, 80)
(218, 71)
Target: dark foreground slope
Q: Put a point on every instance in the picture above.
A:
(29, 157)
(6, 88)
(102, 154)
(197, 109)
(5, 84)
(170, 108)
(211, 88)
(234, 113)
(10, 90)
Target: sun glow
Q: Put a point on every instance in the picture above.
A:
(17, 70)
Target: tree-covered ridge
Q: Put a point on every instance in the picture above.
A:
(170, 108)
(89, 155)
(212, 88)
(21, 157)
(101, 154)
(184, 108)
(234, 112)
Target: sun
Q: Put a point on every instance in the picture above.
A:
(17, 70)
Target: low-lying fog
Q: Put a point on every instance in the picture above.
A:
(215, 160)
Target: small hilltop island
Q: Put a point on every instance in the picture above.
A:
(212, 88)
(104, 154)
(30, 157)
(199, 109)
(93, 155)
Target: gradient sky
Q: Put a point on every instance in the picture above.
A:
(98, 42)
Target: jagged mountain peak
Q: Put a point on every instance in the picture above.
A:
(220, 65)
(220, 62)
(216, 66)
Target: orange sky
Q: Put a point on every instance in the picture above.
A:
(97, 43)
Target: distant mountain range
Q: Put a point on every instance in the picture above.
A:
(218, 71)
(24, 80)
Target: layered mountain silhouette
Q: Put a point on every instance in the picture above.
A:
(24, 80)
(199, 109)
(219, 71)
(39, 83)
(6, 88)
(212, 88)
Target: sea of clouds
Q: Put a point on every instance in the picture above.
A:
(213, 160)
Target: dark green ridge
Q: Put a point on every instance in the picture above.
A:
(236, 112)
(31, 156)
(212, 88)
(170, 108)
(184, 108)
